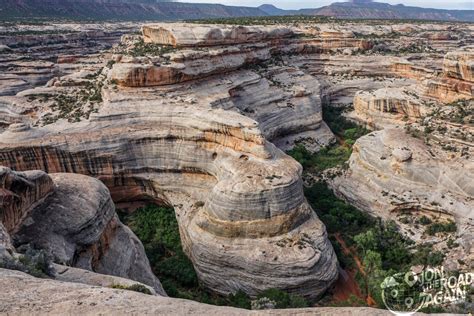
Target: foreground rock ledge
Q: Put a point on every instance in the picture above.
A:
(43, 296)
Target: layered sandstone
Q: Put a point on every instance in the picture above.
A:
(388, 106)
(407, 69)
(391, 173)
(202, 146)
(186, 66)
(459, 64)
(178, 152)
(182, 34)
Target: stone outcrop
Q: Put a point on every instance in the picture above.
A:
(20, 193)
(76, 275)
(460, 64)
(177, 34)
(391, 173)
(73, 219)
(388, 106)
(407, 69)
(449, 90)
(186, 66)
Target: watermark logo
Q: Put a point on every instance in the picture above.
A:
(406, 293)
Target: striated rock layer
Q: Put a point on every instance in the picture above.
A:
(252, 192)
(183, 34)
(391, 173)
(387, 105)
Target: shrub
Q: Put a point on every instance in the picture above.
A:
(283, 299)
(240, 300)
(448, 227)
(135, 287)
(424, 220)
(34, 262)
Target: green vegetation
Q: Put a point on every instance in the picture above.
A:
(140, 48)
(448, 227)
(306, 19)
(265, 20)
(158, 230)
(37, 32)
(347, 133)
(135, 287)
(343, 128)
(283, 299)
(34, 262)
(326, 158)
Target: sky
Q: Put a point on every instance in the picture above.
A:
(298, 4)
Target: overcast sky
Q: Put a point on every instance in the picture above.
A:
(298, 4)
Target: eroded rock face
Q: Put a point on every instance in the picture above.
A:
(72, 218)
(185, 67)
(20, 193)
(460, 65)
(391, 173)
(387, 105)
(177, 34)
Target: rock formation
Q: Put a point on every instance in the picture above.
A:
(391, 174)
(73, 219)
(197, 117)
(202, 146)
(180, 35)
(386, 105)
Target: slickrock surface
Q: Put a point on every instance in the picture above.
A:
(42, 296)
(72, 218)
(76, 275)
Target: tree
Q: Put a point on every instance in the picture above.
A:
(366, 241)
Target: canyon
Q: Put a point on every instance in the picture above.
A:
(201, 118)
